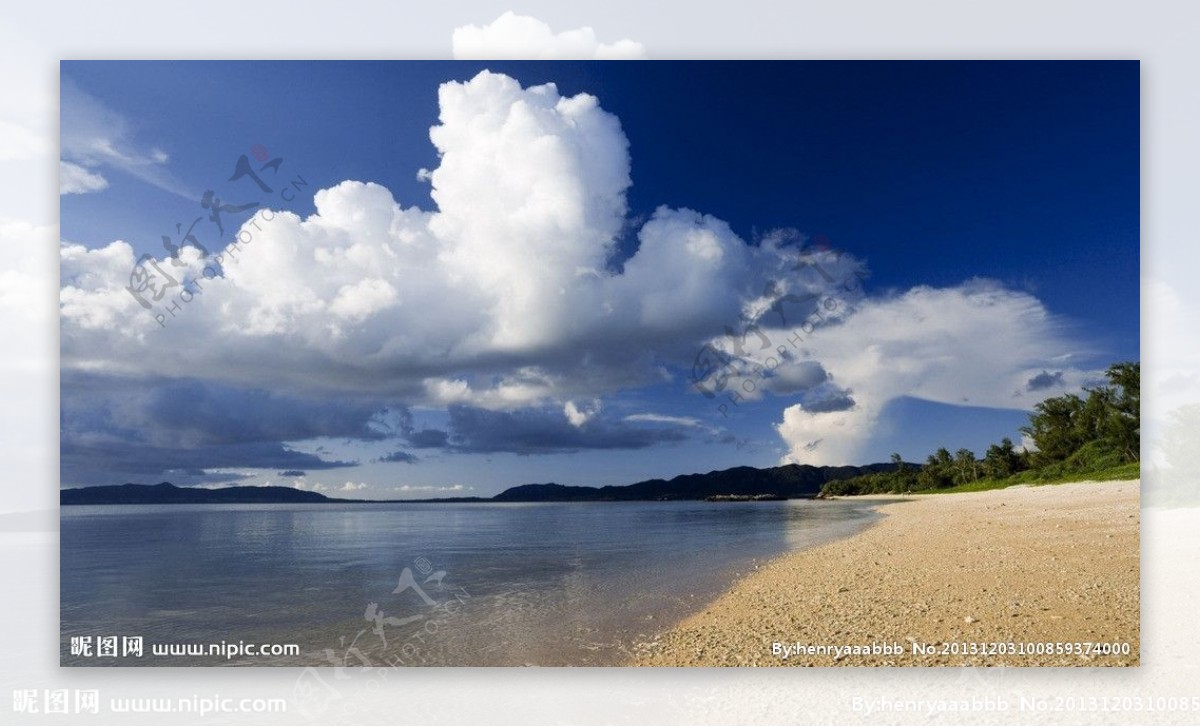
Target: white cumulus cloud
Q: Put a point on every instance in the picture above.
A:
(580, 415)
(513, 36)
(977, 344)
(75, 179)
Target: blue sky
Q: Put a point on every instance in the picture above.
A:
(987, 204)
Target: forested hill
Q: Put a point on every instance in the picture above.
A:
(164, 493)
(786, 481)
(1095, 435)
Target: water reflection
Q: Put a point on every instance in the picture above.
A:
(570, 583)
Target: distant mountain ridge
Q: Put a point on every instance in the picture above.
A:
(164, 493)
(789, 481)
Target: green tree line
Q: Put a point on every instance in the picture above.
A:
(1096, 435)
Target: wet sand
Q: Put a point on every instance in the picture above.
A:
(997, 571)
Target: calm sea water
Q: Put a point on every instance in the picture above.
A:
(479, 584)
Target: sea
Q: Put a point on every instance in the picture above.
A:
(409, 584)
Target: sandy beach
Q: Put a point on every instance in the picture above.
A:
(992, 572)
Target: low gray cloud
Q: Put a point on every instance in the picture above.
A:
(429, 439)
(827, 398)
(115, 430)
(114, 462)
(530, 431)
(202, 413)
(398, 456)
(796, 377)
(1044, 380)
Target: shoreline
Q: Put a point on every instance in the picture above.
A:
(992, 570)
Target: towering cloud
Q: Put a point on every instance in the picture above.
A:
(506, 294)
